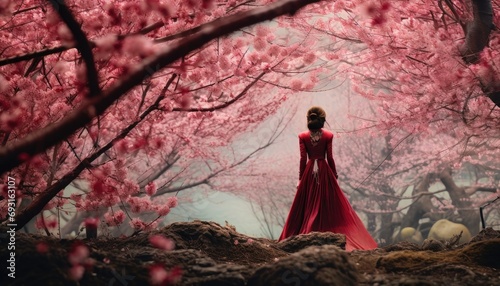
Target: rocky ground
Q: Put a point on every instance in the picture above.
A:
(207, 253)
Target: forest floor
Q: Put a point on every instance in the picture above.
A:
(209, 254)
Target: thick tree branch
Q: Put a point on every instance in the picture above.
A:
(421, 205)
(477, 32)
(82, 44)
(468, 215)
(476, 189)
(477, 36)
(11, 156)
(37, 54)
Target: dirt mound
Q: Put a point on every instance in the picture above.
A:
(314, 266)
(207, 253)
(486, 234)
(301, 241)
(485, 253)
(221, 243)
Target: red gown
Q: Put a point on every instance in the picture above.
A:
(320, 204)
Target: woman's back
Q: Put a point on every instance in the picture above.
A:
(318, 150)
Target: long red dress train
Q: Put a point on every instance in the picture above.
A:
(320, 204)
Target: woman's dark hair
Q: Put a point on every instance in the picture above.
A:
(316, 118)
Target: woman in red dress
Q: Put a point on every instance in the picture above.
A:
(320, 204)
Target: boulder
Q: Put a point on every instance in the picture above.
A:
(445, 230)
(410, 234)
(313, 266)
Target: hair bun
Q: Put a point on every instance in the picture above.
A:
(316, 118)
(313, 116)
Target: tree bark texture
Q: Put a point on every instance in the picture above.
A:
(477, 36)
(470, 216)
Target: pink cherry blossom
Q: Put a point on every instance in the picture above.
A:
(150, 188)
(137, 224)
(158, 275)
(78, 254)
(76, 272)
(91, 222)
(163, 210)
(115, 218)
(161, 242)
(172, 202)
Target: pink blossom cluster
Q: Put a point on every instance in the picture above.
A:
(115, 218)
(160, 276)
(139, 225)
(162, 242)
(79, 259)
(139, 204)
(376, 10)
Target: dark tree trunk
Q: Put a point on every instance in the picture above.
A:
(420, 206)
(386, 229)
(477, 32)
(470, 216)
(30, 226)
(477, 36)
(387, 224)
(372, 223)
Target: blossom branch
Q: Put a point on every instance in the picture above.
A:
(93, 106)
(62, 48)
(44, 197)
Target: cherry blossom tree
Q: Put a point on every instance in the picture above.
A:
(124, 98)
(430, 69)
(433, 68)
(394, 178)
(401, 49)
(396, 185)
(120, 98)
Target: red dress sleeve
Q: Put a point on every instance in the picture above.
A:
(329, 156)
(303, 156)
